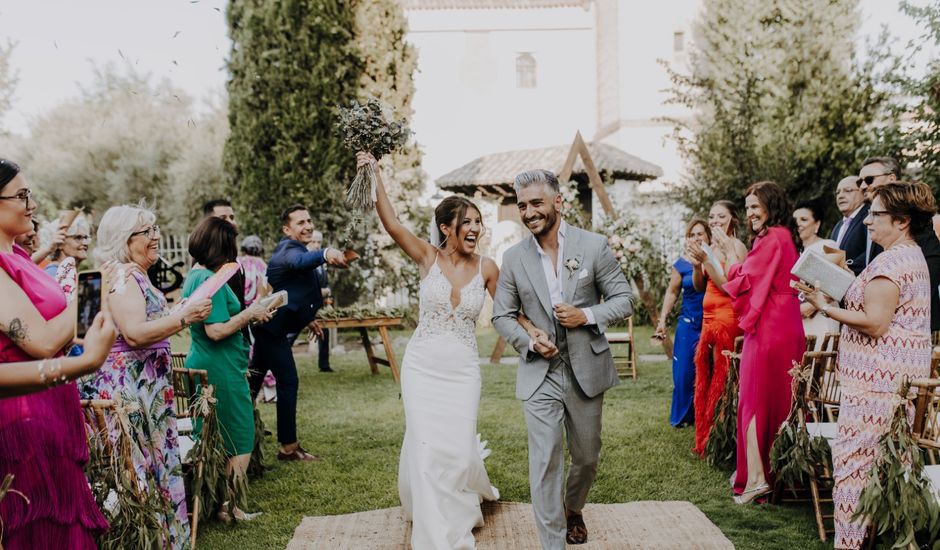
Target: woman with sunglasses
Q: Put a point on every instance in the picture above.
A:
(42, 436)
(137, 371)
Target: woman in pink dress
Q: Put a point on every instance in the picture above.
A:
(768, 312)
(885, 339)
(42, 435)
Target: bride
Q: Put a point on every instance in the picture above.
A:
(441, 477)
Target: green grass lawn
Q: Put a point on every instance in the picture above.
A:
(355, 422)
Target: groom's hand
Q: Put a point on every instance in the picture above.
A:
(569, 316)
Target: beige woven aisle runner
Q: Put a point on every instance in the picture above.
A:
(645, 525)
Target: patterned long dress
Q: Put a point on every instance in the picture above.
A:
(142, 377)
(870, 370)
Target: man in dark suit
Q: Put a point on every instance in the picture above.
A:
(292, 268)
(850, 233)
(877, 171)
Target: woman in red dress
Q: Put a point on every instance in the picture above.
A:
(768, 312)
(719, 327)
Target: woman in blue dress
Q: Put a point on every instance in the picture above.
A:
(688, 327)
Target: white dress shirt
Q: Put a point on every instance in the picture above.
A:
(846, 222)
(553, 276)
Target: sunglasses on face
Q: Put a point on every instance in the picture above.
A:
(868, 180)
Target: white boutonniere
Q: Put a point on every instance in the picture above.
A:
(573, 264)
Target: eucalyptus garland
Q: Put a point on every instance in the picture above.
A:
(898, 498)
(721, 448)
(369, 127)
(256, 465)
(136, 516)
(210, 480)
(795, 456)
(359, 313)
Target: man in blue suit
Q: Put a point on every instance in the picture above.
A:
(850, 233)
(292, 268)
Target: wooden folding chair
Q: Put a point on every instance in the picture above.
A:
(926, 429)
(822, 399)
(810, 342)
(186, 385)
(624, 363)
(935, 362)
(831, 342)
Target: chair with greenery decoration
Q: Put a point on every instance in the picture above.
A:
(801, 456)
(926, 428)
(822, 400)
(187, 384)
(810, 342)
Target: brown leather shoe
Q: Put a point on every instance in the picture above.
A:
(577, 531)
(298, 454)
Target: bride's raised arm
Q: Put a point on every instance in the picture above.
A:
(419, 250)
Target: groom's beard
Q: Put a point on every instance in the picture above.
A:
(548, 222)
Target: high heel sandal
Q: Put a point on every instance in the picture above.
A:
(748, 497)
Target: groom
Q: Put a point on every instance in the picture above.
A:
(557, 278)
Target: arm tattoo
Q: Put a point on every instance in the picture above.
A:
(16, 331)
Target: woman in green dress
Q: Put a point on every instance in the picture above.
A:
(220, 343)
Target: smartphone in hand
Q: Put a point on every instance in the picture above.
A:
(90, 294)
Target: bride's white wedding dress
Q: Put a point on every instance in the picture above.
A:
(441, 477)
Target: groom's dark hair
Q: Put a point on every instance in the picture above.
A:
(533, 177)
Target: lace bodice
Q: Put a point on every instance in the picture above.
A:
(437, 315)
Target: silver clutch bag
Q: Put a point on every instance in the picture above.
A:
(813, 267)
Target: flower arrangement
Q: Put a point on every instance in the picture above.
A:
(369, 127)
(631, 249)
(571, 209)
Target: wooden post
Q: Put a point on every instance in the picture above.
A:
(578, 147)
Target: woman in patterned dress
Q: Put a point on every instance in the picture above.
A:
(688, 327)
(138, 369)
(885, 338)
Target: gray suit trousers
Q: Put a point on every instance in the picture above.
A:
(556, 409)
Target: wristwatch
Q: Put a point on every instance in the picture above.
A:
(825, 310)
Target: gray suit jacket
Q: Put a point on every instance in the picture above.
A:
(522, 287)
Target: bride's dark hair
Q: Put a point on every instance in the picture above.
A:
(452, 208)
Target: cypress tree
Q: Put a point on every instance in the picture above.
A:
(292, 62)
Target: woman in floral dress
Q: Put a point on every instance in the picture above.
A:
(138, 371)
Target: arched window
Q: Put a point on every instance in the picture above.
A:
(525, 71)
